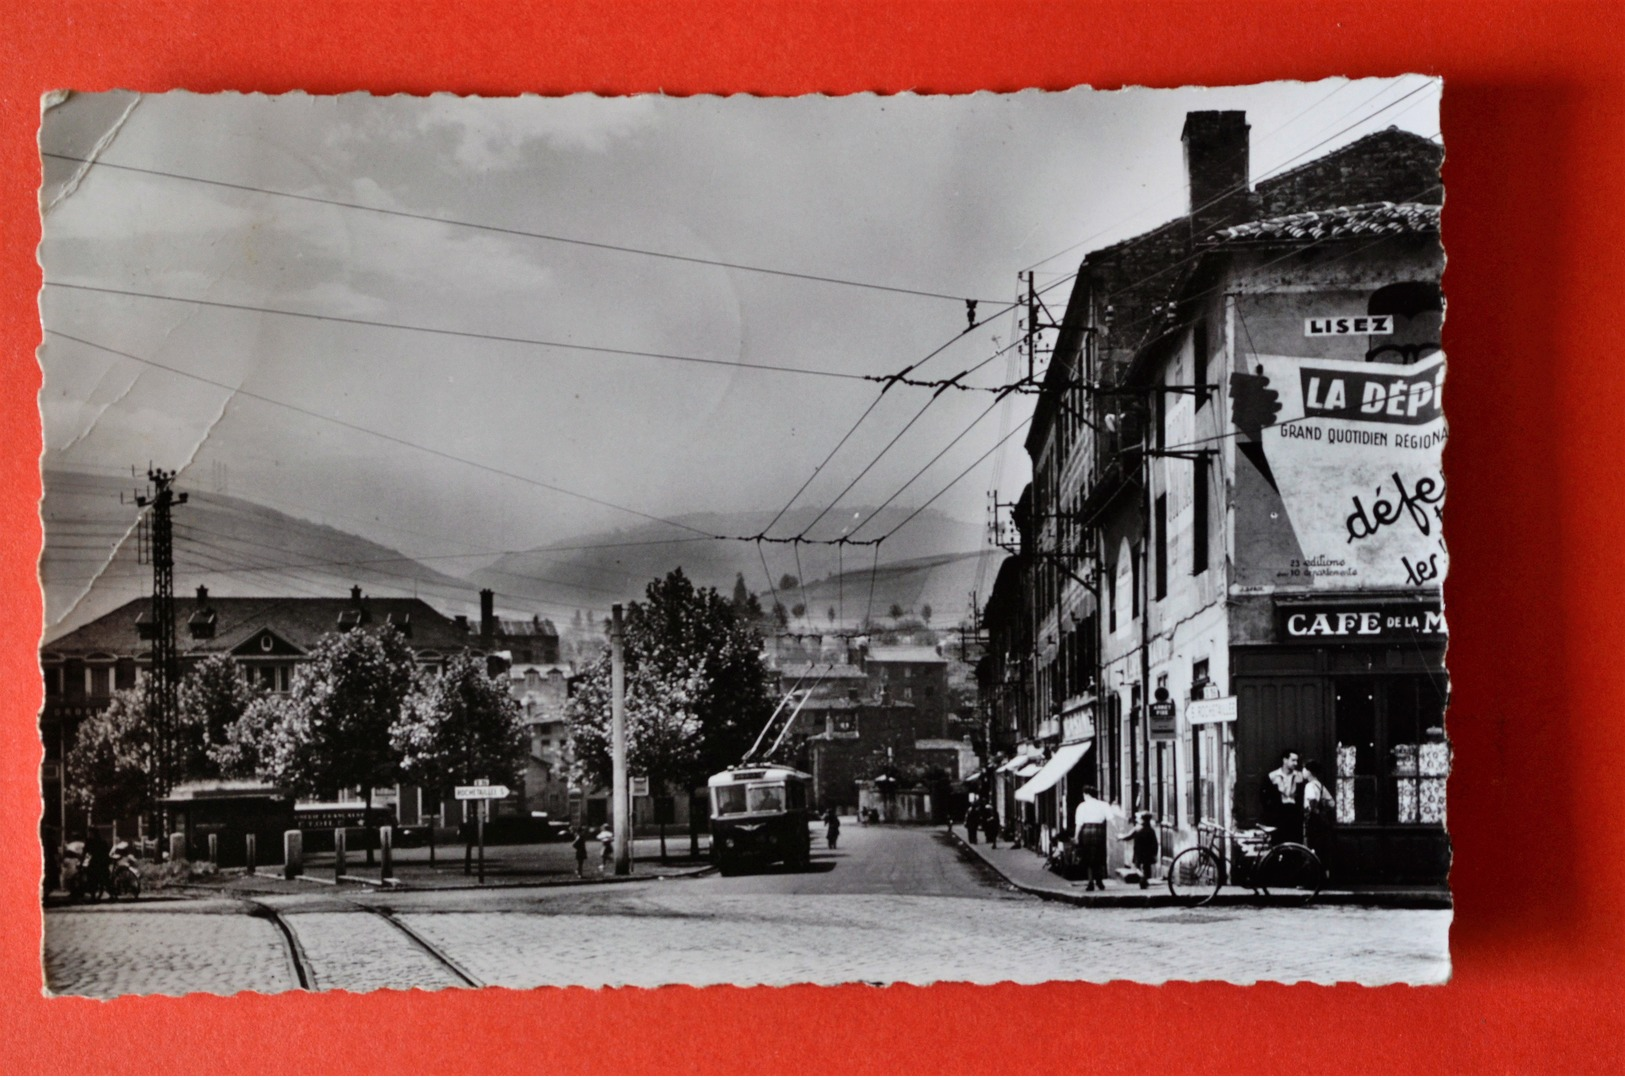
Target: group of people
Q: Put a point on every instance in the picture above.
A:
(606, 849)
(1295, 803)
(1092, 820)
(981, 817)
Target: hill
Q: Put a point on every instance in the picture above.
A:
(237, 547)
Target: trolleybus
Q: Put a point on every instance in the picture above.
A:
(759, 816)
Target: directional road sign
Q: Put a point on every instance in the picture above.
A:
(482, 791)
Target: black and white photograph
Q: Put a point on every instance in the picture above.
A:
(636, 541)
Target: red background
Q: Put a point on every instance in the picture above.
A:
(1535, 135)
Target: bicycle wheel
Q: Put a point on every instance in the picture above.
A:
(1194, 876)
(1291, 873)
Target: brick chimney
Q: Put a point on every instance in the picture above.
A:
(1216, 170)
(202, 596)
(355, 594)
(488, 613)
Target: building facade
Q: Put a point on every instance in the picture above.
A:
(1232, 547)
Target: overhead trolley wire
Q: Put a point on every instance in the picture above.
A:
(552, 238)
(475, 335)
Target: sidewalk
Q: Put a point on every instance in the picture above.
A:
(506, 866)
(1025, 871)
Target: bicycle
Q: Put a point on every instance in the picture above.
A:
(1286, 871)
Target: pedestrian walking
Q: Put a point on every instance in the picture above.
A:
(1092, 817)
(580, 846)
(990, 825)
(832, 827)
(1144, 837)
(606, 854)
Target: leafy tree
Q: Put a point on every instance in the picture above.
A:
(925, 613)
(788, 582)
(832, 615)
(896, 611)
(662, 729)
(460, 726)
(112, 759)
(242, 753)
(335, 730)
(740, 592)
(210, 700)
(799, 610)
(695, 639)
(781, 617)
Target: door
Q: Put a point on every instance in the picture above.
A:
(1275, 714)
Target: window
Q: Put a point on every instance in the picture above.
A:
(1111, 598)
(728, 799)
(98, 681)
(1392, 759)
(1162, 546)
(53, 682)
(1134, 582)
(766, 799)
(1199, 357)
(1199, 525)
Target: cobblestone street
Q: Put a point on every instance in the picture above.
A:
(893, 905)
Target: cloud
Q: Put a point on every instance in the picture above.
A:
(497, 135)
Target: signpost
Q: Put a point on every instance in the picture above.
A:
(1163, 726)
(480, 792)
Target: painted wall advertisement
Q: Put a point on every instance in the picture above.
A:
(1339, 481)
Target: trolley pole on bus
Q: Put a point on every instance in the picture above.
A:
(617, 724)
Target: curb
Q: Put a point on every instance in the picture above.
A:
(1161, 898)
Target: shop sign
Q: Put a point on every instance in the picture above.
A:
(1374, 623)
(1347, 325)
(1163, 724)
(1339, 474)
(1211, 711)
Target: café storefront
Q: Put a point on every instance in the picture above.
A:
(1357, 687)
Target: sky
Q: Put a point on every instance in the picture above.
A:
(427, 396)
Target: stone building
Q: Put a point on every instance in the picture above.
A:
(1212, 567)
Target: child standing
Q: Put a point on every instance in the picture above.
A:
(580, 846)
(1144, 836)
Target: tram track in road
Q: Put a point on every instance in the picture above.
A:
(305, 972)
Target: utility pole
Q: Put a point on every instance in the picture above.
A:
(164, 673)
(621, 800)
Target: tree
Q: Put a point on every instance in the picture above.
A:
(112, 758)
(460, 726)
(925, 613)
(662, 729)
(210, 701)
(832, 615)
(799, 611)
(335, 729)
(788, 582)
(695, 639)
(781, 617)
(242, 753)
(896, 611)
(740, 592)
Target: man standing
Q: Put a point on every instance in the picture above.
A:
(1092, 817)
(1281, 796)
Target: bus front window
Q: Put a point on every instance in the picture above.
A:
(766, 798)
(728, 799)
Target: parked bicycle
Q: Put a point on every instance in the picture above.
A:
(1286, 871)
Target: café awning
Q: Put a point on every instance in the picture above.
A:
(1014, 763)
(1065, 759)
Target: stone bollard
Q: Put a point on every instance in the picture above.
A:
(177, 847)
(214, 848)
(252, 863)
(293, 854)
(338, 854)
(386, 851)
